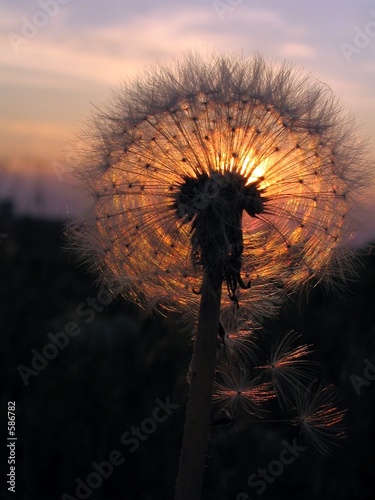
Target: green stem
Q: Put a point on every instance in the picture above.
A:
(194, 445)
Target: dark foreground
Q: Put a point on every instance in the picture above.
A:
(100, 395)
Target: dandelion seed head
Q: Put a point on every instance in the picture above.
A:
(228, 164)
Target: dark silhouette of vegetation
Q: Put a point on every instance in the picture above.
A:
(106, 380)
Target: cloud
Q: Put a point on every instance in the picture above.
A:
(110, 51)
(105, 53)
(89, 47)
(368, 67)
(33, 138)
(32, 128)
(298, 51)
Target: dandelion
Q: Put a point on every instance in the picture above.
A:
(217, 184)
(235, 166)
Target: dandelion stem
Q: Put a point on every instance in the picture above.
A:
(193, 452)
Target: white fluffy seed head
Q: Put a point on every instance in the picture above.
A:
(270, 126)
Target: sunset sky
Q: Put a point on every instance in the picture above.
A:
(60, 57)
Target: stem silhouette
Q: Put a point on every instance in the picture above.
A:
(196, 430)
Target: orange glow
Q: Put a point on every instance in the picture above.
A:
(254, 170)
(302, 164)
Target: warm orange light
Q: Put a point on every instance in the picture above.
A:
(248, 165)
(254, 170)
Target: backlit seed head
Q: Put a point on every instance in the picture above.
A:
(235, 165)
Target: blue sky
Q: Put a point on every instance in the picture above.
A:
(59, 57)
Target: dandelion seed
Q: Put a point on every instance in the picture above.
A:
(236, 393)
(238, 346)
(287, 366)
(238, 336)
(320, 420)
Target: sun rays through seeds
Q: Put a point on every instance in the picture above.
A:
(227, 163)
